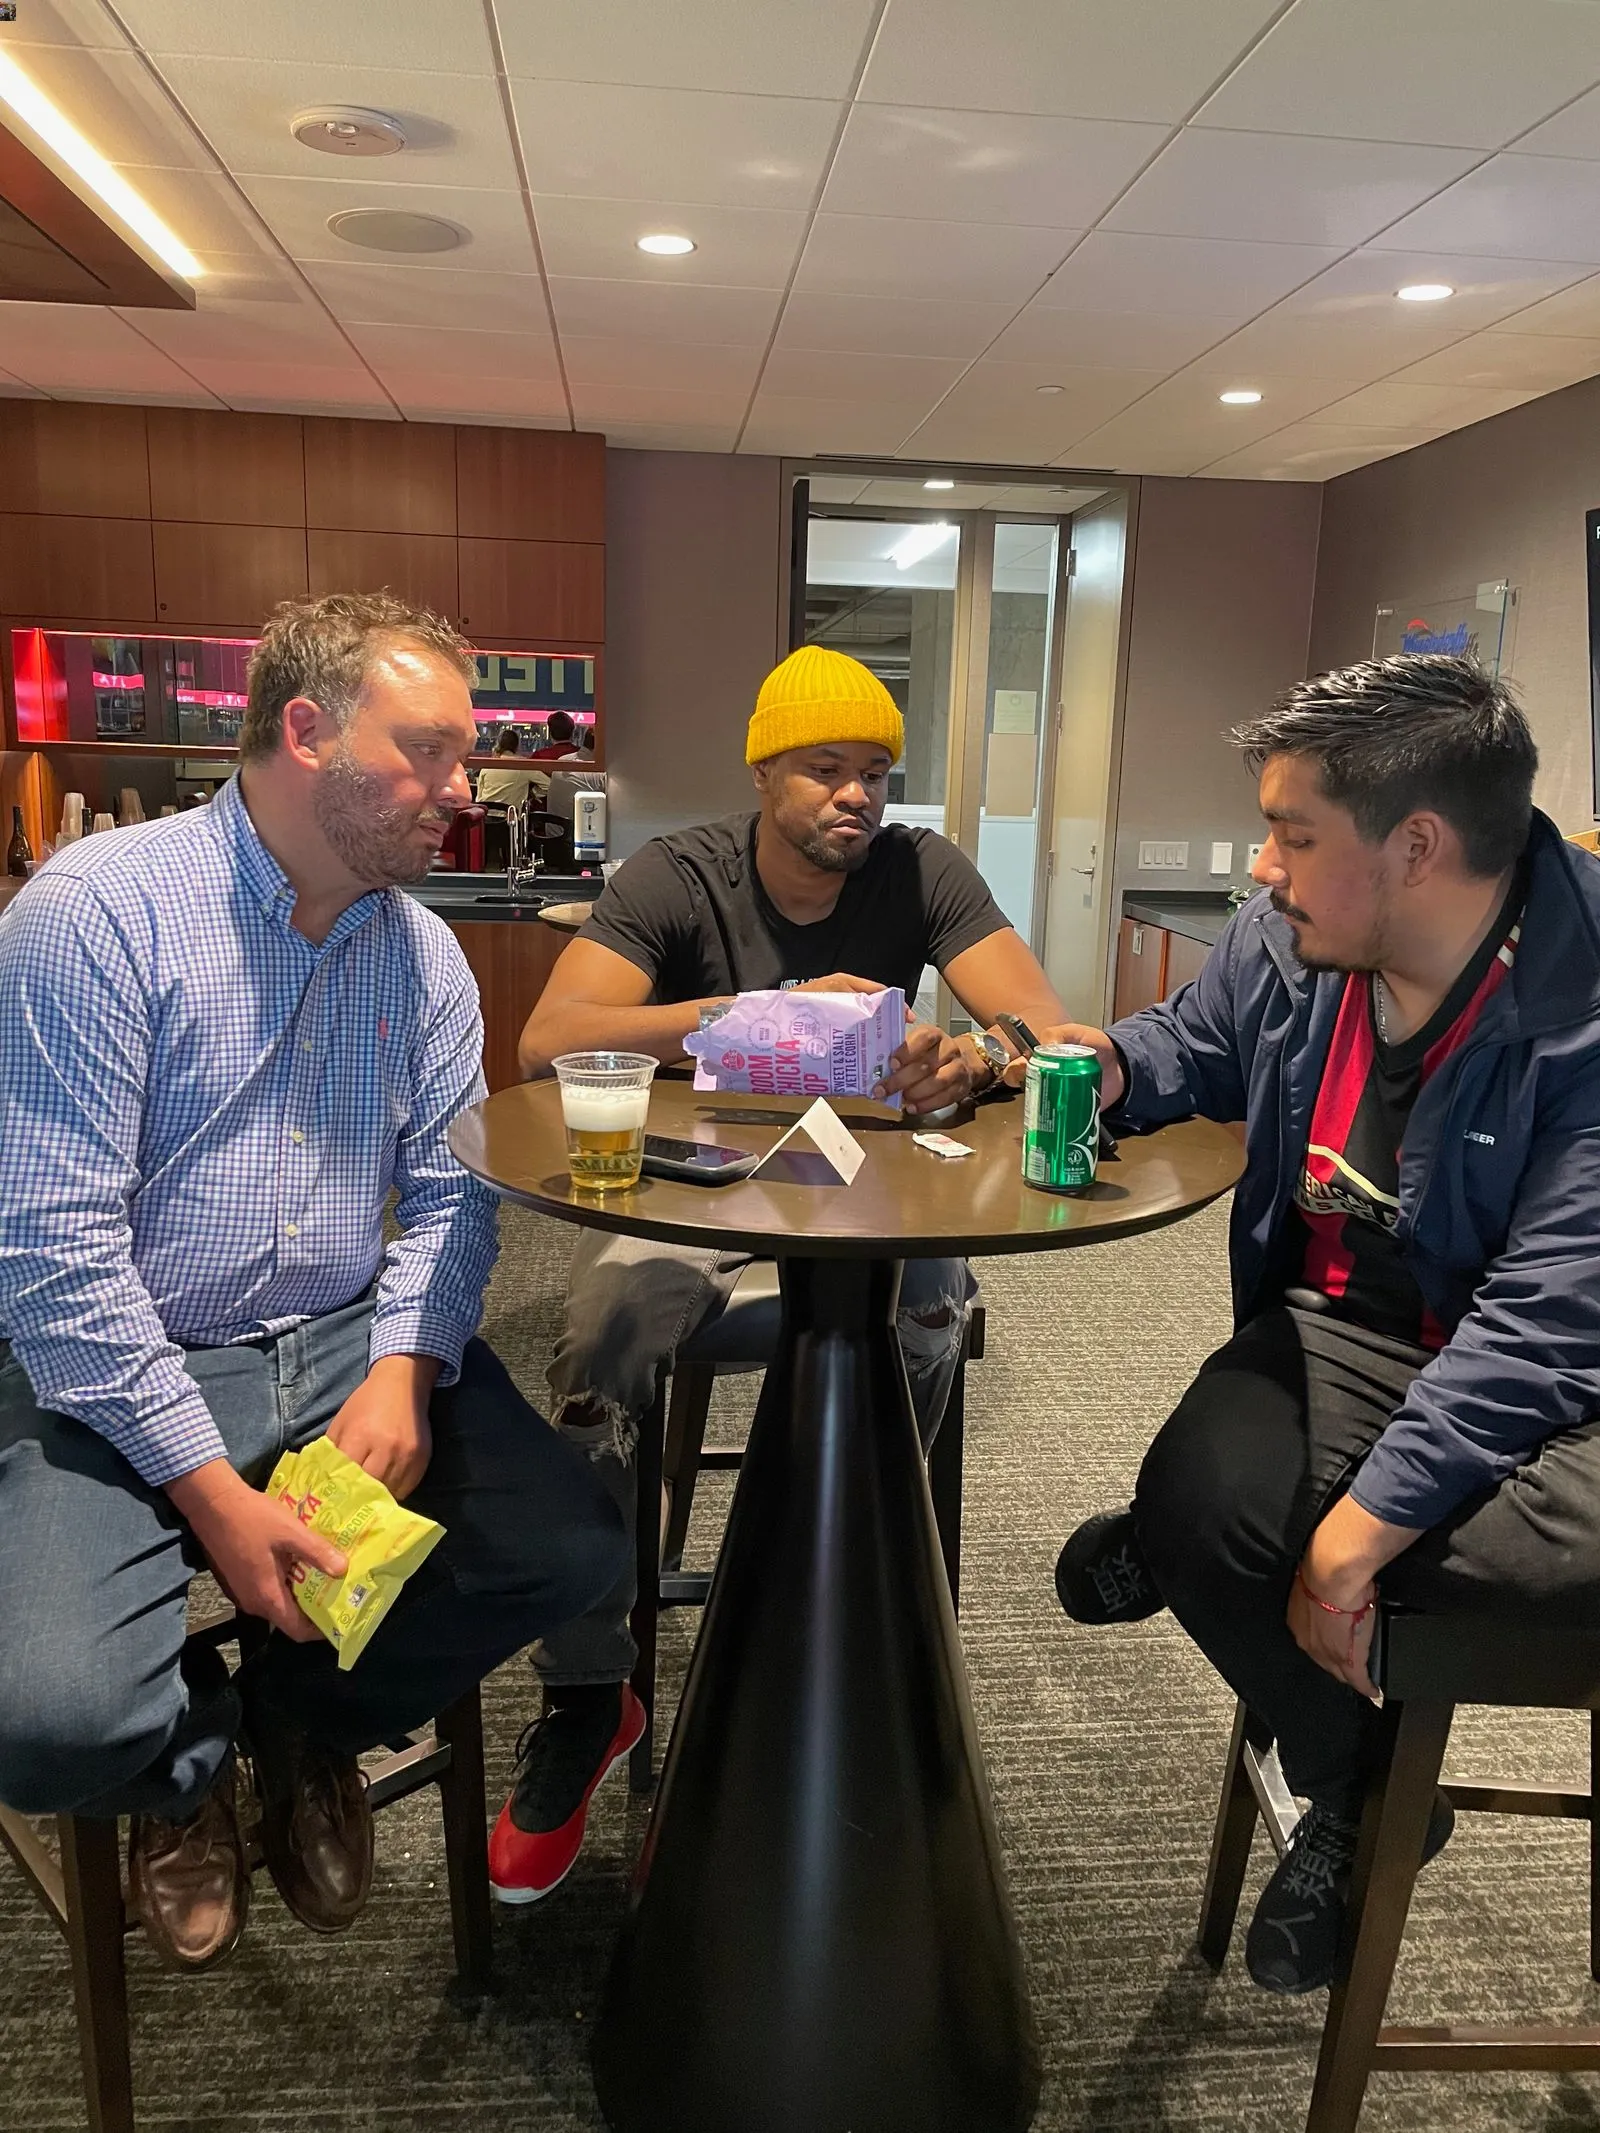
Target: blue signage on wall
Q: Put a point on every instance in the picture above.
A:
(1420, 636)
(528, 682)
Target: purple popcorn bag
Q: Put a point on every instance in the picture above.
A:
(801, 1043)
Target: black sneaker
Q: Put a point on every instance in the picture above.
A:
(561, 1759)
(1102, 1576)
(1293, 1942)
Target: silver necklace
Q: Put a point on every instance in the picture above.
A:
(1377, 1002)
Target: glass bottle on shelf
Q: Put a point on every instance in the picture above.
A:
(19, 852)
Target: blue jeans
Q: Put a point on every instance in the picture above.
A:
(101, 1710)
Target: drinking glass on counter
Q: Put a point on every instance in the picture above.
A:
(605, 1099)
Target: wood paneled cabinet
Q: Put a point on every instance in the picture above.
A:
(1186, 958)
(226, 577)
(512, 960)
(419, 567)
(530, 485)
(380, 477)
(80, 457)
(554, 591)
(125, 521)
(76, 569)
(1141, 967)
(1152, 962)
(226, 469)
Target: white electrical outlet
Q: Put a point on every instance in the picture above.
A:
(1157, 856)
(1222, 858)
(1253, 853)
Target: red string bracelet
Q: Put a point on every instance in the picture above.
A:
(1355, 1616)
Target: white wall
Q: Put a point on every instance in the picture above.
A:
(1501, 499)
(1223, 573)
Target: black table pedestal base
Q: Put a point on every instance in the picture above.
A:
(821, 1939)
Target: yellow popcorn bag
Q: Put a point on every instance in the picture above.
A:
(381, 1540)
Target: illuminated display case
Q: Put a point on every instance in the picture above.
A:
(523, 688)
(82, 689)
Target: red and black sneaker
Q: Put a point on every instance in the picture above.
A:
(561, 1758)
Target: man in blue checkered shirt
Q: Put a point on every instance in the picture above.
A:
(224, 1039)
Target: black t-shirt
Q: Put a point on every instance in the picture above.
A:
(689, 911)
(1347, 1198)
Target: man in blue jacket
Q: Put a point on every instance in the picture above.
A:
(1406, 1020)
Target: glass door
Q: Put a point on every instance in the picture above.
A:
(1017, 725)
(884, 590)
(1007, 686)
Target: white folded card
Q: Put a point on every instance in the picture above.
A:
(830, 1136)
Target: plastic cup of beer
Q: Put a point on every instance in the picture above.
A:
(605, 1099)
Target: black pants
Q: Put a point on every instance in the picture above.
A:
(1267, 1438)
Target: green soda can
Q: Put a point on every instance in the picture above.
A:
(1061, 1118)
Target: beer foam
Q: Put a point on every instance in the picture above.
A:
(604, 1110)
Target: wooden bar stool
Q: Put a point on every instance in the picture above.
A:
(672, 1455)
(84, 1892)
(1426, 1665)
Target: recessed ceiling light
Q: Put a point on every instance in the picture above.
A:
(394, 229)
(1425, 292)
(666, 246)
(36, 111)
(1049, 388)
(938, 484)
(919, 542)
(1243, 396)
(348, 130)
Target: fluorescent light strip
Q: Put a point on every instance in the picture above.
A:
(36, 111)
(919, 542)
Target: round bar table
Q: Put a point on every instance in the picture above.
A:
(820, 1938)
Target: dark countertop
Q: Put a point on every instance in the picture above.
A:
(1198, 914)
(479, 898)
(463, 897)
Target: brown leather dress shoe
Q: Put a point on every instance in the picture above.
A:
(316, 1828)
(189, 1881)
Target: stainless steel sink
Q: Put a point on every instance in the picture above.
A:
(447, 891)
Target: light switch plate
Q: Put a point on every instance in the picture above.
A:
(1222, 858)
(1158, 856)
(1253, 853)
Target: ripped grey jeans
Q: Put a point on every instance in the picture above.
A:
(630, 1303)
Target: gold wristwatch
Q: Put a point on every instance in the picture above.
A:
(992, 1052)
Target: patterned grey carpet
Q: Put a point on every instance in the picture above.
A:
(1104, 1753)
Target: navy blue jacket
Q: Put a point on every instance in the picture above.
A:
(1499, 1172)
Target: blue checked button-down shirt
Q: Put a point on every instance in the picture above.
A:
(202, 1114)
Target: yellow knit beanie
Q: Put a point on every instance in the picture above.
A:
(815, 696)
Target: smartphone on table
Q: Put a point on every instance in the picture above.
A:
(696, 1162)
(1018, 1034)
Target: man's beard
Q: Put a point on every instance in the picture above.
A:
(1370, 959)
(833, 858)
(367, 833)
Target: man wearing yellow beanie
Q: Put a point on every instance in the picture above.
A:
(813, 889)
(816, 696)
